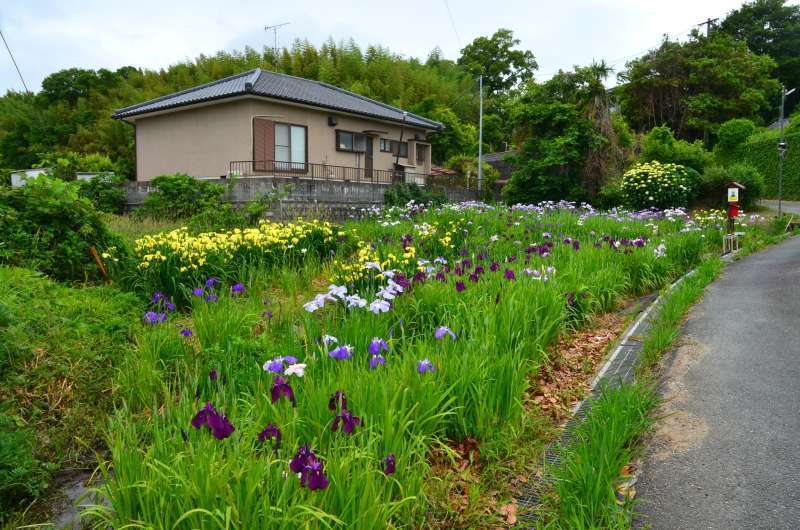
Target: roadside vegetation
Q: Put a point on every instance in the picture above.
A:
(402, 359)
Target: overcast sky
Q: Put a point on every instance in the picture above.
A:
(49, 35)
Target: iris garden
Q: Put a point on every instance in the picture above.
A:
(299, 375)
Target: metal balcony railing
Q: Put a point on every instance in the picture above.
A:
(269, 168)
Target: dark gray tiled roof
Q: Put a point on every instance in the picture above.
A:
(279, 86)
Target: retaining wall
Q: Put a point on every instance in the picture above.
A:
(329, 199)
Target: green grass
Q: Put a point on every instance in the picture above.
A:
(162, 473)
(665, 328)
(584, 494)
(58, 347)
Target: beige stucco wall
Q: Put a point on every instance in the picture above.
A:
(203, 140)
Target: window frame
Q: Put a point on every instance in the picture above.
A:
(291, 168)
(421, 148)
(354, 135)
(395, 151)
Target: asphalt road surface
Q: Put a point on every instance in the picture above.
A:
(727, 452)
(786, 206)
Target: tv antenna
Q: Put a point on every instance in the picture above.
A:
(274, 30)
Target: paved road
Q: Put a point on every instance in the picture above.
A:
(727, 455)
(787, 206)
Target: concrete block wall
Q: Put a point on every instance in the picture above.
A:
(328, 199)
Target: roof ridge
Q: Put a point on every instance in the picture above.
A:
(185, 91)
(382, 104)
(359, 96)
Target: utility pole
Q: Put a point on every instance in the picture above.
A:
(480, 136)
(781, 150)
(275, 36)
(708, 23)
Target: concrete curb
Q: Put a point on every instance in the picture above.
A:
(618, 369)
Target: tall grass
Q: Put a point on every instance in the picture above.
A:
(584, 495)
(163, 473)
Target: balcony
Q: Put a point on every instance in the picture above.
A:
(272, 168)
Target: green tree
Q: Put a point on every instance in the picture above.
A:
(502, 66)
(695, 86)
(457, 138)
(770, 27)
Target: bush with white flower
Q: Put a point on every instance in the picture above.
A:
(653, 184)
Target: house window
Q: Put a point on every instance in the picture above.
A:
(350, 141)
(422, 154)
(290, 145)
(394, 147)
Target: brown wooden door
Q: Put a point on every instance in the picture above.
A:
(368, 158)
(263, 145)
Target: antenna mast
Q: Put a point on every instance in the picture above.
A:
(275, 42)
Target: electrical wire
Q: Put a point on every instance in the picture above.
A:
(452, 22)
(14, 61)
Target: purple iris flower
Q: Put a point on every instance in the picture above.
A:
(337, 400)
(211, 298)
(460, 286)
(473, 277)
(341, 353)
(425, 365)
(576, 244)
(570, 299)
(377, 345)
(440, 276)
(280, 388)
(441, 331)
(389, 464)
(509, 275)
(458, 271)
(153, 317)
(211, 282)
(312, 471)
(494, 266)
(466, 263)
(237, 289)
(464, 252)
(213, 374)
(375, 360)
(218, 424)
(419, 277)
(348, 421)
(267, 314)
(271, 432)
(479, 269)
(197, 291)
(186, 332)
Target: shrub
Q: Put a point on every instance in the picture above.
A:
(734, 133)
(402, 194)
(611, 196)
(653, 184)
(65, 165)
(760, 151)
(660, 145)
(181, 196)
(105, 191)
(717, 178)
(22, 476)
(47, 226)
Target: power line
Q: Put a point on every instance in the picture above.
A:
(14, 61)
(452, 22)
(618, 60)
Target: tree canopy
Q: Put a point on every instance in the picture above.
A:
(695, 86)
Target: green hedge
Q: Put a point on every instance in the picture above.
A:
(761, 152)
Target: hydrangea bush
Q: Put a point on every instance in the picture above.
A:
(653, 184)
